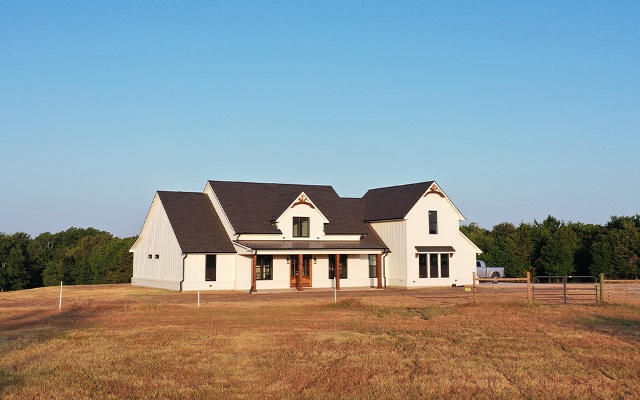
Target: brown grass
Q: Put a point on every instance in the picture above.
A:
(125, 342)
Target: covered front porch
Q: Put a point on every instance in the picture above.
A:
(304, 264)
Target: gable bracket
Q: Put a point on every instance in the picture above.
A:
(434, 190)
(303, 200)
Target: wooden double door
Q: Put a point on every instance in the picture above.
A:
(304, 270)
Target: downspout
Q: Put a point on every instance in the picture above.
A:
(384, 267)
(182, 281)
(254, 284)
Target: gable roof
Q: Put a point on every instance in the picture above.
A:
(195, 223)
(393, 202)
(252, 207)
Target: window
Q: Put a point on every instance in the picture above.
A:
(300, 226)
(150, 256)
(210, 268)
(422, 266)
(332, 266)
(373, 266)
(264, 268)
(343, 266)
(433, 265)
(157, 256)
(433, 222)
(444, 265)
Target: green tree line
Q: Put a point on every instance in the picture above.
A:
(557, 248)
(75, 256)
(551, 247)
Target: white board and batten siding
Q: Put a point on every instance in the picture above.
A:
(394, 234)
(461, 264)
(227, 273)
(156, 254)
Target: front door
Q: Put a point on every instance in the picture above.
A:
(305, 271)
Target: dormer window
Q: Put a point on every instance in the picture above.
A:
(300, 226)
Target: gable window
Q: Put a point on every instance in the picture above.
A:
(373, 266)
(343, 266)
(264, 267)
(300, 226)
(433, 222)
(210, 268)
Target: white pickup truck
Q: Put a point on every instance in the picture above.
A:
(488, 272)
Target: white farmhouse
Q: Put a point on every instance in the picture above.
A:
(259, 236)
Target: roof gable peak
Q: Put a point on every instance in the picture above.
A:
(435, 189)
(303, 200)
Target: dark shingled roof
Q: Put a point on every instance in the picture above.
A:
(393, 202)
(364, 244)
(251, 207)
(195, 223)
(435, 249)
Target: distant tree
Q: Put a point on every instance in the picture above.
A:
(14, 261)
(63, 265)
(41, 252)
(112, 262)
(503, 251)
(523, 245)
(615, 252)
(78, 259)
(479, 236)
(557, 250)
(587, 235)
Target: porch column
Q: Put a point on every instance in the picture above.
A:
(379, 269)
(254, 264)
(337, 272)
(299, 277)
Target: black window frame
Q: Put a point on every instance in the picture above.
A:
(264, 267)
(210, 268)
(373, 265)
(434, 267)
(298, 227)
(444, 266)
(423, 271)
(433, 222)
(344, 267)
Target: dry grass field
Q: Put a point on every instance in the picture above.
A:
(120, 341)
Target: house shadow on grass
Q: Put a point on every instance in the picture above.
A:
(627, 329)
(20, 329)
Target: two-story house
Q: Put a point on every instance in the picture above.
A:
(257, 236)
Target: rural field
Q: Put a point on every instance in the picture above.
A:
(119, 341)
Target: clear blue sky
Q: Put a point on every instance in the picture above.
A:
(518, 109)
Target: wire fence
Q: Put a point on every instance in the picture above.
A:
(621, 291)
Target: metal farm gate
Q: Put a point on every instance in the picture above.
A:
(565, 289)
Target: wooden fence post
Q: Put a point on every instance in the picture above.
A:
(529, 286)
(602, 288)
